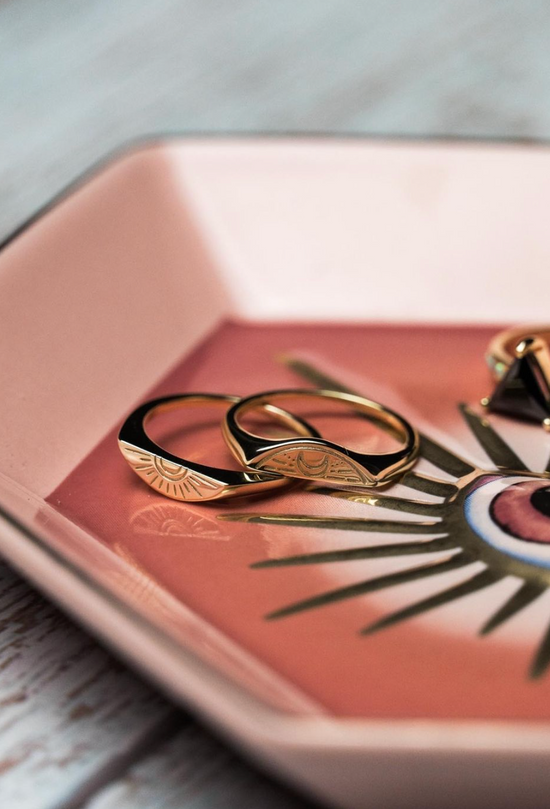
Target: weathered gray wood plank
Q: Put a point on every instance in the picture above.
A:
(68, 710)
(77, 80)
(193, 770)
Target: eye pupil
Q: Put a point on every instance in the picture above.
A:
(540, 499)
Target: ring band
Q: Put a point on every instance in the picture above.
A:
(186, 480)
(315, 458)
(519, 360)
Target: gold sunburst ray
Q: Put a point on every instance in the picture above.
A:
(428, 485)
(519, 600)
(541, 660)
(342, 523)
(400, 549)
(444, 459)
(478, 581)
(500, 453)
(403, 504)
(452, 561)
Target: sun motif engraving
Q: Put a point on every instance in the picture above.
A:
(320, 464)
(171, 479)
(499, 517)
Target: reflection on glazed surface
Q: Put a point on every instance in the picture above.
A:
(167, 519)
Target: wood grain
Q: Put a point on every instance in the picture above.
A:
(79, 79)
(195, 771)
(68, 710)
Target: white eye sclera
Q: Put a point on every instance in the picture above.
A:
(513, 515)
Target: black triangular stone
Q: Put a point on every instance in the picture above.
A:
(523, 391)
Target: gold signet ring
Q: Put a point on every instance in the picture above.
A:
(186, 480)
(315, 458)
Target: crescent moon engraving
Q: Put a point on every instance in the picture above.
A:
(310, 468)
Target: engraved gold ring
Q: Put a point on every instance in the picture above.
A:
(314, 457)
(186, 480)
(519, 360)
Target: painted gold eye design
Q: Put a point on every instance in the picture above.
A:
(498, 517)
(511, 514)
(523, 510)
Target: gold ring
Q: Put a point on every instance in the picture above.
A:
(186, 480)
(519, 360)
(315, 458)
(502, 350)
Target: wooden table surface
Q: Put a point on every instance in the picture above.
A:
(77, 728)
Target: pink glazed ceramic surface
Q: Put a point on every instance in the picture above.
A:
(432, 665)
(370, 658)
